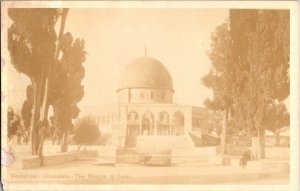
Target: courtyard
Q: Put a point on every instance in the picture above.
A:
(184, 170)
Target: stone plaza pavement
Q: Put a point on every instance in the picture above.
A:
(90, 171)
(193, 170)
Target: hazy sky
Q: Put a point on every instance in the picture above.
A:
(179, 38)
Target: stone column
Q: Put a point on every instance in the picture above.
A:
(170, 123)
(155, 127)
(187, 122)
(122, 132)
(141, 133)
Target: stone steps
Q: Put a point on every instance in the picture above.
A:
(180, 143)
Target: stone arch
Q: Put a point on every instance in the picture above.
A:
(132, 115)
(147, 123)
(133, 128)
(101, 119)
(163, 123)
(163, 116)
(152, 96)
(177, 123)
(142, 95)
(107, 120)
(113, 117)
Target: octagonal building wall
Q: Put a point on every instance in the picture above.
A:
(145, 95)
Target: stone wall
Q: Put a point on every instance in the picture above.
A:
(60, 158)
(277, 152)
(31, 162)
(56, 158)
(87, 154)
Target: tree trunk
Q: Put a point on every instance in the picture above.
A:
(65, 134)
(224, 132)
(64, 144)
(261, 143)
(35, 119)
(41, 143)
(46, 85)
(61, 32)
(53, 139)
(43, 121)
(277, 135)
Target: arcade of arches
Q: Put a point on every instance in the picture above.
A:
(149, 124)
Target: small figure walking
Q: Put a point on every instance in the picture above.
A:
(245, 158)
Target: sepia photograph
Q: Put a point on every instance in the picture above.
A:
(136, 94)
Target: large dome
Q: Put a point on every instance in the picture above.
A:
(145, 72)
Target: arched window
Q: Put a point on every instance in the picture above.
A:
(132, 116)
(147, 123)
(161, 117)
(98, 120)
(142, 95)
(107, 119)
(152, 95)
(103, 119)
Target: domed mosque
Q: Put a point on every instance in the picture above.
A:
(145, 80)
(145, 114)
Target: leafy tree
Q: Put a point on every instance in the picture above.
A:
(215, 122)
(15, 127)
(68, 89)
(86, 131)
(242, 22)
(220, 78)
(26, 112)
(265, 78)
(12, 123)
(48, 81)
(268, 77)
(250, 75)
(276, 117)
(32, 47)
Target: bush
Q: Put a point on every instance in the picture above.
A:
(103, 139)
(86, 131)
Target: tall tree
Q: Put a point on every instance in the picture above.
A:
(68, 89)
(250, 75)
(33, 46)
(260, 52)
(31, 43)
(13, 123)
(242, 22)
(268, 76)
(48, 79)
(220, 78)
(26, 112)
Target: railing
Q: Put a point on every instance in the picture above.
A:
(147, 157)
(127, 155)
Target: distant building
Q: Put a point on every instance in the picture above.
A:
(145, 110)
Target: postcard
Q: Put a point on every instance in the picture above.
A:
(150, 95)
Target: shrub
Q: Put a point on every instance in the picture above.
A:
(86, 131)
